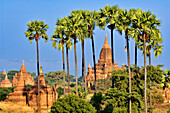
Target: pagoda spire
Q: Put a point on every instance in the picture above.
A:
(41, 71)
(23, 62)
(106, 44)
(6, 77)
(89, 65)
(4, 72)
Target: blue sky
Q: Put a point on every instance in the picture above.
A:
(14, 46)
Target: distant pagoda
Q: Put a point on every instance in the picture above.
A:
(5, 82)
(20, 92)
(48, 94)
(4, 72)
(26, 77)
(104, 65)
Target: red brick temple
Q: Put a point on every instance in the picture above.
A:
(5, 82)
(23, 96)
(20, 92)
(47, 93)
(104, 65)
(26, 77)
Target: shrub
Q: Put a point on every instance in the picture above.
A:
(81, 93)
(4, 92)
(157, 97)
(96, 101)
(60, 91)
(72, 104)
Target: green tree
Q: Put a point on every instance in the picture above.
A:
(123, 25)
(59, 34)
(147, 25)
(4, 92)
(60, 91)
(109, 16)
(166, 79)
(90, 21)
(70, 104)
(36, 30)
(96, 101)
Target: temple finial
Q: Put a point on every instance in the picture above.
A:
(23, 62)
(89, 65)
(41, 71)
(4, 72)
(106, 41)
(6, 77)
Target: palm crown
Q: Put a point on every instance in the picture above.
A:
(36, 29)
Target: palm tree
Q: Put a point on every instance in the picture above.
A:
(59, 35)
(62, 34)
(156, 44)
(124, 25)
(146, 25)
(109, 16)
(74, 30)
(90, 21)
(36, 30)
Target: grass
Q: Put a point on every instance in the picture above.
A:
(10, 107)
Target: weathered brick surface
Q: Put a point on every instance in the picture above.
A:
(5, 82)
(26, 77)
(104, 65)
(23, 96)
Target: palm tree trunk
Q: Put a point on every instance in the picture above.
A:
(63, 70)
(150, 102)
(136, 54)
(75, 53)
(68, 69)
(38, 102)
(94, 61)
(145, 71)
(82, 44)
(84, 65)
(112, 53)
(128, 57)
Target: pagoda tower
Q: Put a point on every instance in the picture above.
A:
(26, 77)
(4, 72)
(20, 92)
(5, 82)
(104, 65)
(47, 93)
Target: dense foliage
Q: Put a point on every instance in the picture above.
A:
(96, 101)
(4, 92)
(60, 91)
(56, 78)
(72, 104)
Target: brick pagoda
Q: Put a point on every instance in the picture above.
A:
(104, 65)
(47, 93)
(4, 72)
(26, 77)
(20, 92)
(5, 82)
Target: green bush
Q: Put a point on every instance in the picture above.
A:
(72, 104)
(4, 92)
(97, 100)
(81, 93)
(157, 97)
(168, 111)
(60, 91)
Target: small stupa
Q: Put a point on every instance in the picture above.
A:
(26, 77)
(48, 94)
(5, 82)
(20, 92)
